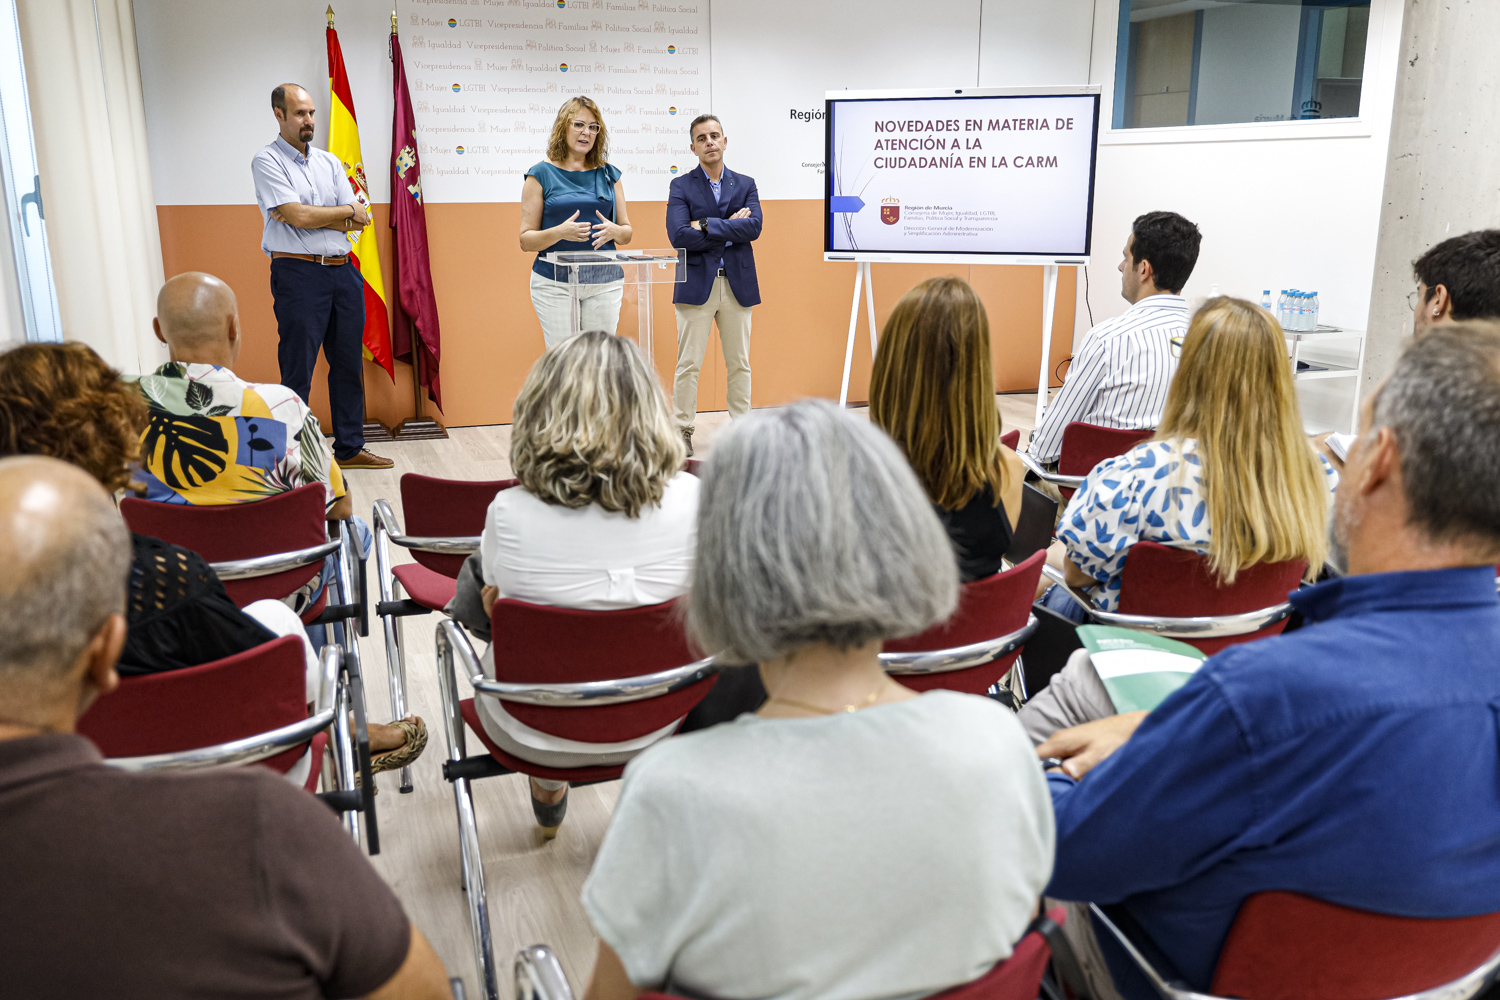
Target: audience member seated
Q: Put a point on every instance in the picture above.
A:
(851, 839)
(214, 438)
(1229, 473)
(604, 517)
(63, 401)
(1457, 279)
(933, 391)
(1121, 373)
(1354, 759)
(119, 884)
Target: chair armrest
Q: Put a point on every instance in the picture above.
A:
(457, 545)
(539, 975)
(1173, 989)
(1055, 478)
(941, 661)
(276, 562)
(1056, 576)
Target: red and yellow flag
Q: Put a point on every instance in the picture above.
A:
(343, 142)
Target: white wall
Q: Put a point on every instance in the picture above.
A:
(1279, 204)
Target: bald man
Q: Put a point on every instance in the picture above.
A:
(210, 884)
(214, 438)
(311, 214)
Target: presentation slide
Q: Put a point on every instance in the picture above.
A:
(981, 174)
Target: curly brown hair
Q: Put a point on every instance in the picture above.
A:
(557, 143)
(63, 401)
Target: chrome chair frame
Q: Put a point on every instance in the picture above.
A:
(391, 609)
(1461, 988)
(539, 975)
(455, 650)
(340, 694)
(1195, 627)
(1055, 478)
(942, 661)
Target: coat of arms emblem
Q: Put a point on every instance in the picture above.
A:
(890, 211)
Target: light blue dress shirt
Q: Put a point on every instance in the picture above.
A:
(718, 199)
(284, 175)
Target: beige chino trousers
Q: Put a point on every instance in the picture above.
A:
(694, 323)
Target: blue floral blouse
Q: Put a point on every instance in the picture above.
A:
(1151, 493)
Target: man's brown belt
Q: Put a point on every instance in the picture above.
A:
(316, 258)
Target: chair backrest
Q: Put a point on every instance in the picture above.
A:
(1086, 445)
(535, 644)
(446, 508)
(1035, 525)
(252, 692)
(1162, 580)
(283, 522)
(1011, 439)
(990, 607)
(1286, 946)
(1018, 977)
(693, 466)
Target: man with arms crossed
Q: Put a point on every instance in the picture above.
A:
(1120, 376)
(1353, 760)
(714, 213)
(309, 206)
(165, 885)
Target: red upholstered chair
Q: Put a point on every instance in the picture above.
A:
(250, 708)
(693, 466)
(539, 975)
(260, 549)
(1170, 592)
(979, 643)
(444, 518)
(600, 676)
(1083, 447)
(1286, 946)
(1011, 439)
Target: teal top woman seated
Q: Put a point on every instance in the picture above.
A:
(574, 201)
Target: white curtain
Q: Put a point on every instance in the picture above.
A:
(84, 79)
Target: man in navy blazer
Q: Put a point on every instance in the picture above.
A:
(714, 213)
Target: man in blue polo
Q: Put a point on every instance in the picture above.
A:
(1355, 760)
(715, 214)
(309, 207)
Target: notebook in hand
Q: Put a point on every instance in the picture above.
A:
(1139, 670)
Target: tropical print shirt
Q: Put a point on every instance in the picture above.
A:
(214, 438)
(1152, 493)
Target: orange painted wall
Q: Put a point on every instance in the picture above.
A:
(491, 336)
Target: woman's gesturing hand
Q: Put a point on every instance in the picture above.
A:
(574, 230)
(606, 231)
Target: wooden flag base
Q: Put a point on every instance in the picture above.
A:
(377, 431)
(420, 429)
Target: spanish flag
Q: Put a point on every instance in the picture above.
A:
(343, 142)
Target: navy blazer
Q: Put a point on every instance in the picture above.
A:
(692, 198)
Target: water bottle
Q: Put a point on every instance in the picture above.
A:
(1281, 309)
(1304, 311)
(1312, 323)
(1265, 300)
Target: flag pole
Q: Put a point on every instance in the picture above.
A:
(417, 427)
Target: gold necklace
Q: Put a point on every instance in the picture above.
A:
(819, 710)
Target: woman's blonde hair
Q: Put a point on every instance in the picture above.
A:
(557, 145)
(592, 427)
(933, 391)
(1233, 392)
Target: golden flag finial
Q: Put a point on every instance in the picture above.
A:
(393, 22)
(330, 15)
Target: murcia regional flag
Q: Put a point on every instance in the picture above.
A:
(343, 142)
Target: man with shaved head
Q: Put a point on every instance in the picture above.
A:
(311, 214)
(230, 882)
(214, 438)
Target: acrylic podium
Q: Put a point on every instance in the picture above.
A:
(637, 268)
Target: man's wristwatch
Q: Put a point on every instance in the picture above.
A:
(703, 224)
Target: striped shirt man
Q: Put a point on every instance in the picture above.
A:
(1120, 376)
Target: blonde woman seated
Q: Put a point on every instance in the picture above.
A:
(933, 391)
(1229, 474)
(851, 839)
(604, 518)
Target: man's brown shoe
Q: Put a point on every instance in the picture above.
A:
(366, 459)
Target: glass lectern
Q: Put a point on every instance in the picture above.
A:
(637, 268)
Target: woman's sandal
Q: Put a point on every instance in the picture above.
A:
(550, 816)
(415, 731)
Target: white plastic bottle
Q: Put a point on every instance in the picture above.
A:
(1281, 314)
(1265, 300)
(1312, 319)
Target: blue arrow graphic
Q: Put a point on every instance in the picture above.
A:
(845, 203)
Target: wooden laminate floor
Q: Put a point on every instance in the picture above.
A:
(533, 885)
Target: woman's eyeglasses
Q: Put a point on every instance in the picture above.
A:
(592, 128)
(1177, 346)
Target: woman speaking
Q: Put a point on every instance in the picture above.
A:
(573, 200)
